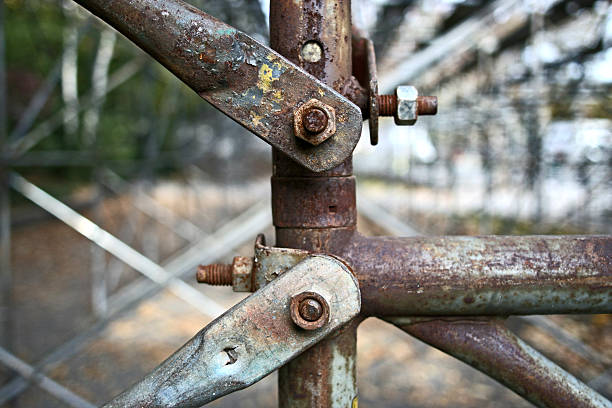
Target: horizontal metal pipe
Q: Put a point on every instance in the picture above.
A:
(487, 345)
(492, 275)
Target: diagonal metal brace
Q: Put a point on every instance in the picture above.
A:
(249, 341)
(249, 82)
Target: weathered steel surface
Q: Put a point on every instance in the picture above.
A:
(271, 261)
(249, 341)
(490, 347)
(469, 275)
(293, 23)
(324, 376)
(247, 81)
(283, 166)
(458, 275)
(494, 275)
(330, 202)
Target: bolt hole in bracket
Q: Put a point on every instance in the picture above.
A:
(252, 339)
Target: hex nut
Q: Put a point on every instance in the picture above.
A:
(242, 274)
(407, 105)
(296, 308)
(298, 122)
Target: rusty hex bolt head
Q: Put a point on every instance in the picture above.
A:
(309, 310)
(314, 122)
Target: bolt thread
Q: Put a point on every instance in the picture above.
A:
(216, 274)
(387, 105)
(427, 105)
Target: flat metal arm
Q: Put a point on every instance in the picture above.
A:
(250, 340)
(250, 83)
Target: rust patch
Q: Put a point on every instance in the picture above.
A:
(309, 310)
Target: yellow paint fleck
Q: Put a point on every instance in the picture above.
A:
(278, 95)
(321, 92)
(256, 119)
(266, 76)
(355, 403)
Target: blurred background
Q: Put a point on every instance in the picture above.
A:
(92, 127)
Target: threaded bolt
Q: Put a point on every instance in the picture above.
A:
(387, 105)
(215, 274)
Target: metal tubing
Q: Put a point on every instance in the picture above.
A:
(325, 26)
(324, 376)
(5, 209)
(317, 37)
(495, 275)
(490, 347)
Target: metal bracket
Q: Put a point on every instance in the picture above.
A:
(252, 339)
(249, 82)
(270, 262)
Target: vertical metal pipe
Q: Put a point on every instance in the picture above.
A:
(316, 211)
(324, 27)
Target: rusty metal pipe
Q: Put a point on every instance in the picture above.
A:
(494, 275)
(301, 25)
(316, 35)
(487, 345)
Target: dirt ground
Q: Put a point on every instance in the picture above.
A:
(52, 304)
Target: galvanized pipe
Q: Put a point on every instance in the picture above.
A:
(493, 275)
(487, 345)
